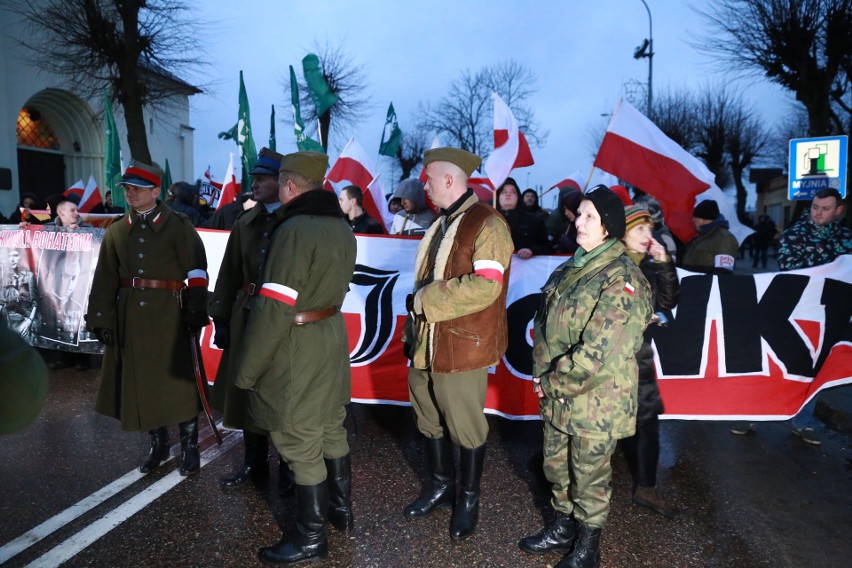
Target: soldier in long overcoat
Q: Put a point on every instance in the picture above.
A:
(588, 329)
(294, 358)
(238, 277)
(149, 289)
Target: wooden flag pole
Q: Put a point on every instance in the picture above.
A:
(588, 179)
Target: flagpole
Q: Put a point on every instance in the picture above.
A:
(588, 179)
(373, 180)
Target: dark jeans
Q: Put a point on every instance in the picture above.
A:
(642, 452)
(759, 254)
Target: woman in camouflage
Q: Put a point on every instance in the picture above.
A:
(588, 329)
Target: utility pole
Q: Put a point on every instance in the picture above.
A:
(647, 50)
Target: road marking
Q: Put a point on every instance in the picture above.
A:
(51, 525)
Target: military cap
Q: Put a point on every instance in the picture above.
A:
(462, 158)
(311, 165)
(140, 174)
(268, 162)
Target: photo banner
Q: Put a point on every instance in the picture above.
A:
(754, 347)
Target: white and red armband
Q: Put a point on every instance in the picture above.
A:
(279, 292)
(489, 269)
(196, 278)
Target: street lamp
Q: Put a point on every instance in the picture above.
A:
(647, 50)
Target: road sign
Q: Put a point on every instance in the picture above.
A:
(815, 164)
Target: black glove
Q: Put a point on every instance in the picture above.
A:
(195, 308)
(406, 350)
(105, 335)
(222, 338)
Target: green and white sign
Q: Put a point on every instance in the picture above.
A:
(815, 164)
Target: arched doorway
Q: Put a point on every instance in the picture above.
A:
(60, 141)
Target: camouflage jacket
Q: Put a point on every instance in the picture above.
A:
(805, 244)
(587, 332)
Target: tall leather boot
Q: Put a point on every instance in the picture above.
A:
(159, 450)
(558, 537)
(189, 446)
(286, 479)
(466, 511)
(256, 461)
(587, 549)
(340, 493)
(311, 540)
(440, 489)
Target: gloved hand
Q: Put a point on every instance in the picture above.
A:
(195, 308)
(406, 350)
(222, 338)
(105, 335)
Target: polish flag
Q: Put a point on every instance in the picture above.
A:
(637, 151)
(510, 146)
(89, 195)
(355, 167)
(229, 186)
(436, 143)
(481, 186)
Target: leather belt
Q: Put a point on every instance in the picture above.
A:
(301, 318)
(249, 288)
(150, 283)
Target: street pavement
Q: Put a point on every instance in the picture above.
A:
(71, 496)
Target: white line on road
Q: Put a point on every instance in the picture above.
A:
(51, 525)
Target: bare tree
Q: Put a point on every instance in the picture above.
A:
(348, 82)
(711, 132)
(410, 153)
(674, 112)
(746, 140)
(464, 114)
(136, 48)
(803, 45)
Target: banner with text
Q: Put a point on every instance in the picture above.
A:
(737, 347)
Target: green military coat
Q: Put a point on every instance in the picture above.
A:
(244, 253)
(587, 332)
(147, 378)
(298, 374)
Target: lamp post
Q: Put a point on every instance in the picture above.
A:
(647, 50)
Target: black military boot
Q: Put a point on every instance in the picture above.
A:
(340, 493)
(587, 549)
(311, 541)
(286, 480)
(466, 511)
(159, 450)
(440, 489)
(189, 446)
(256, 462)
(558, 537)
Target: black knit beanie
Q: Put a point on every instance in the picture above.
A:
(610, 208)
(707, 209)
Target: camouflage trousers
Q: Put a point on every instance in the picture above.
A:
(580, 470)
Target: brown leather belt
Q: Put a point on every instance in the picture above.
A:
(149, 283)
(301, 318)
(249, 288)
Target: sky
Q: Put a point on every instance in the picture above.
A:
(581, 52)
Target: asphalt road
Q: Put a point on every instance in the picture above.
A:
(71, 494)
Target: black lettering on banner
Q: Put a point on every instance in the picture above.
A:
(837, 300)
(379, 319)
(680, 345)
(747, 321)
(519, 315)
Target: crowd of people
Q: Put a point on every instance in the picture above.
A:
(284, 376)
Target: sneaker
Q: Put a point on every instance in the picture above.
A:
(743, 428)
(808, 435)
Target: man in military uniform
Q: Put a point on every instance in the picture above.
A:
(455, 330)
(294, 358)
(238, 275)
(148, 293)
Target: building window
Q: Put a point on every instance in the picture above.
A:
(34, 130)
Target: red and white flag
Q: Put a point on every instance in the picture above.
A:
(510, 146)
(89, 195)
(637, 151)
(355, 167)
(229, 186)
(481, 186)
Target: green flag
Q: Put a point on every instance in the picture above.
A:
(272, 129)
(166, 180)
(112, 157)
(303, 141)
(322, 96)
(245, 142)
(230, 134)
(391, 135)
